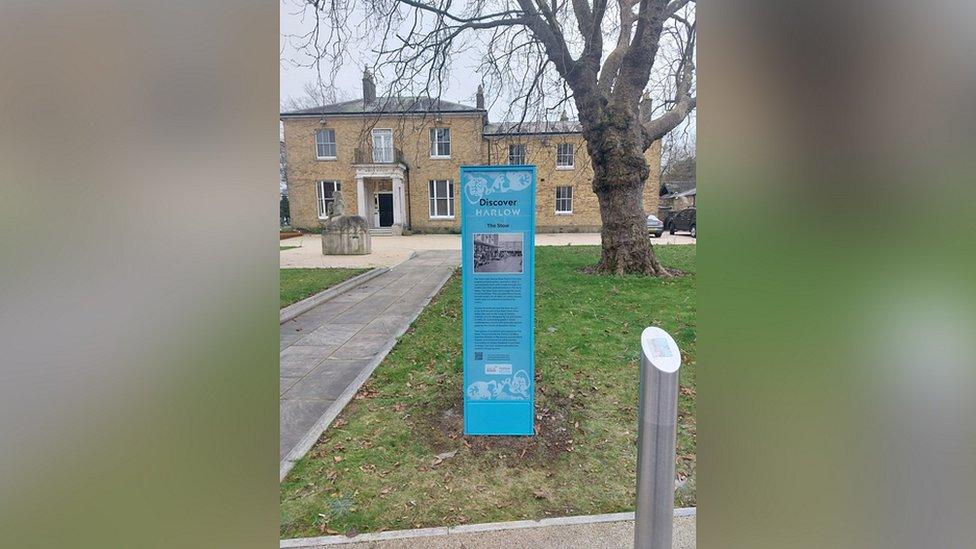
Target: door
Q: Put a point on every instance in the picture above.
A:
(385, 203)
(383, 146)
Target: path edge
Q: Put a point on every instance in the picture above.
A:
(305, 444)
(296, 543)
(313, 301)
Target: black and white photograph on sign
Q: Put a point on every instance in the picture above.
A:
(498, 252)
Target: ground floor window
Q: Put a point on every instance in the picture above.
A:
(326, 192)
(564, 200)
(441, 192)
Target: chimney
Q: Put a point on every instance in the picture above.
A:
(369, 87)
(480, 98)
(563, 117)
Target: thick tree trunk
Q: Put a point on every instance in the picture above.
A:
(626, 243)
(615, 144)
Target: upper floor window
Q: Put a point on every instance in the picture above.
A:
(440, 143)
(326, 196)
(564, 155)
(382, 146)
(325, 144)
(564, 200)
(441, 193)
(516, 154)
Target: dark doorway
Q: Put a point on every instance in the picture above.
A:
(386, 209)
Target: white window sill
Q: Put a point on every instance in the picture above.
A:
(564, 213)
(326, 158)
(441, 217)
(565, 168)
(448, 157)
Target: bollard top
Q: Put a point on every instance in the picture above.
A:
(660, 350)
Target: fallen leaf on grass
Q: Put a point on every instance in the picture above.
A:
(439, 458)
(337, 459)
(539, 494)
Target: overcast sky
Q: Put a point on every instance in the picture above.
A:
(462, 88)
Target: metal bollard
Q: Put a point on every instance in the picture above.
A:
(657, 431)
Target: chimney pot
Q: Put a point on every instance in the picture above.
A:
(369, 87)
(480, 98)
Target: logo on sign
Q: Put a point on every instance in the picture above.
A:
(479, 187)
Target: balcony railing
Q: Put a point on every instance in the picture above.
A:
(386, 155)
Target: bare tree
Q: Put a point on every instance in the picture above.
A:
(314, 94)
(597, 55)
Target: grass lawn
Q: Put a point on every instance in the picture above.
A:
(395, 457)
(297, 284)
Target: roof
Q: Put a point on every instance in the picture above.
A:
(391, 104)
(533, 128)
(690, 192)
(676, 187)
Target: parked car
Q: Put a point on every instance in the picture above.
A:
(655, 226)
(683, 220)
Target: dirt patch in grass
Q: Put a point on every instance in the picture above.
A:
(553, 434)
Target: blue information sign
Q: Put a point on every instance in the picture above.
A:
(498, 291)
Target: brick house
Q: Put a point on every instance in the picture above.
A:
(396, 161)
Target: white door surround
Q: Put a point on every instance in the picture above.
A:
(395, 174)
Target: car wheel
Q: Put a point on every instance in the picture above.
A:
(671, 227)
(658, 234)
(694, 231)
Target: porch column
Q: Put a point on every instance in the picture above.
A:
(398, 201)
(360, 197)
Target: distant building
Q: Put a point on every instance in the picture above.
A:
(396, 161)
(675, 202)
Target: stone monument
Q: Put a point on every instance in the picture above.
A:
(344, 234)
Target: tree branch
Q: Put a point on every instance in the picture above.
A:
(659, 127)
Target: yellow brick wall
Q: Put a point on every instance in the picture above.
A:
(465, 150)
(411, 134)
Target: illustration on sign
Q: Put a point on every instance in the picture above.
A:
(512, 388)
(498, 280)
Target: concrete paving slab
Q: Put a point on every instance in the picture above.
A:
(294, 416)
(327, 381)
(298, 360)
(386, 324)
(286, 340)
(331, 334)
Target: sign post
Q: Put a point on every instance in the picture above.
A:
(498, 294)
(657, 418)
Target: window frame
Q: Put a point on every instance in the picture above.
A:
(564, 199)
(433, 197)
(435, 143)
(372, 136)
(524, 153)
(321, 202)
(335, 146)
(571, 155)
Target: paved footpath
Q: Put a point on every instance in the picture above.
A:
(329, 351)
(606, 531)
